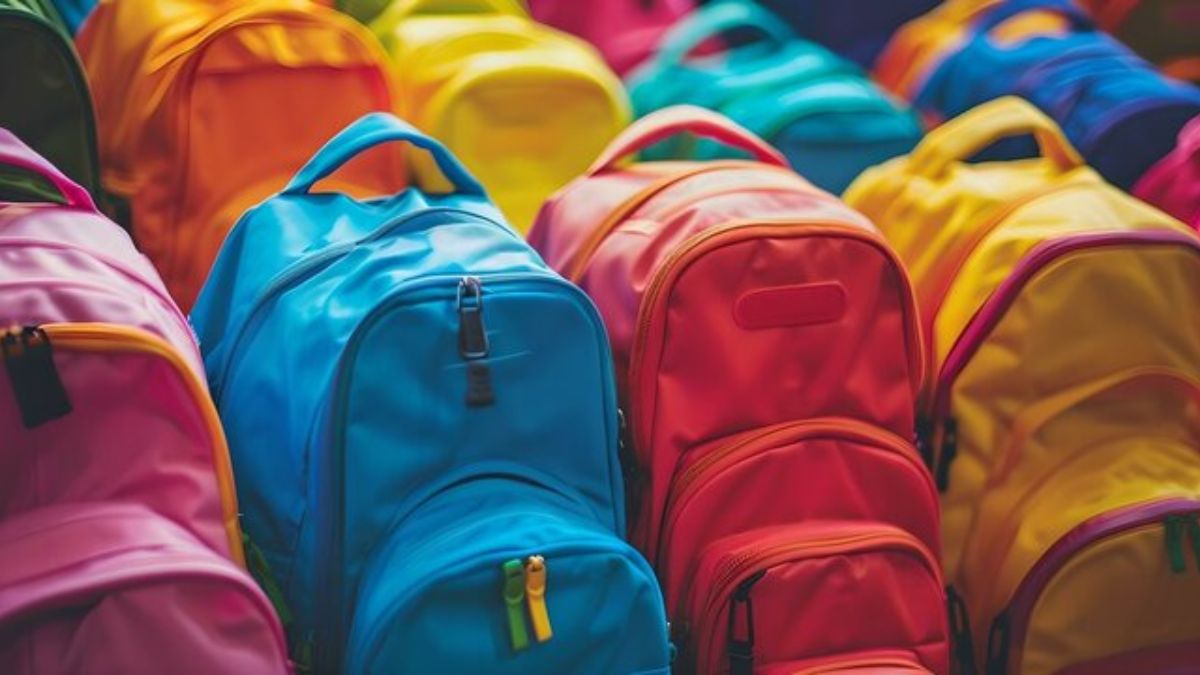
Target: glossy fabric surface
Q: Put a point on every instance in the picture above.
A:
(340, 316)
(1120, 112)
(129, 365)
(163, 72)
(625, 31)
(818, 109)
(115, 588)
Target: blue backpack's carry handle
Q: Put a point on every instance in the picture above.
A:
(365, 133)
(714, 20)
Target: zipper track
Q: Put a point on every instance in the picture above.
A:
(99, 337)
(1087, 533)
(992, 311)
(687, 483)
(684, 254)
(304, 268)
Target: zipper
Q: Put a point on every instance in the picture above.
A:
(100, 337)
(514, 598)
(37, 388)
(473, 342)
(1011, 624)
(535, 592)
(329, 534)
(990, 313)
(737, 230)
(741, 649)
(305, 268)
(577, 264)
(893, 662)
(687, 482)
(730, 573)
(961, 640)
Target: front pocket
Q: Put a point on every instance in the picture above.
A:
(500, 576)
(832, 468)
(115, 587)
(790, 593)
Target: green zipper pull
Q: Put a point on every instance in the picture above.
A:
(1174, 540)
(514, 601)
(256, 564)
(1193, 528)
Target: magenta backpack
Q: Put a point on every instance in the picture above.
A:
(119, 541)
(625, 31)
(1173, 184)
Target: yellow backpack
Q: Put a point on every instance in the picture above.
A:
(1065, 414)
(526, 108)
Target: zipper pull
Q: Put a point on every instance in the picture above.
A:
(922, 440)
(37, 387)
(535, 591)
(473, 342)
(948, 450)
(960, 632)
(1173, 538)
(1193, 528)
(256, 564)
(997, 646)
(741, 651)
(514, 597)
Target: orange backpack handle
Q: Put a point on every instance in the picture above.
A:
(966, 135)
(667, 122)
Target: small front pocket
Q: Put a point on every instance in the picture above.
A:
(791, 593)
(790, 473)
(501, 576)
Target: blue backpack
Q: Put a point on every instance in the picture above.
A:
(820, 110)
(423, 425)
(1117, 109)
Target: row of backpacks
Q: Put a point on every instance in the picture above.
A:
(766, 346)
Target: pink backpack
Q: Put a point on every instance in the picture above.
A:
(108, 429)
(625, 31)
(1173, 184)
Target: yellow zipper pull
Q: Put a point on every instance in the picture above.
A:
(514, 597)
(535, 591)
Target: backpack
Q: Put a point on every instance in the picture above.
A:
(117, 509)
(1061, 418)
(820, 110)
(1120, 112)
(45, 101)
(767, 350)
(442, 448)
(855, 29)
(1173, 184)
(625, 31)
(1163, 31)
(525, 106)
(73, 12)
(183, 88)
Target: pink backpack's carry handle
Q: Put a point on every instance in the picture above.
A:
(663, 124)
(16, 154)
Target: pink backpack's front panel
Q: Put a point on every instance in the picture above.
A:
(115, 588)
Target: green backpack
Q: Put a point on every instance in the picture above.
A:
(44, 97)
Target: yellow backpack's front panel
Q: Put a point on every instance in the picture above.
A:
(526, 108)
(1082, 318)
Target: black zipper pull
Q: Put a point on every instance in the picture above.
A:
(960, 632)
(997, 649)
(948, 450)
(473, 342)
(741, 651)
(922, 439)
(29, 360)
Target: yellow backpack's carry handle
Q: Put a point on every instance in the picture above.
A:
(973, 131)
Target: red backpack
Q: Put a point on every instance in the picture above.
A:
(768, 352)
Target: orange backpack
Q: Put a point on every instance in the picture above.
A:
(206, 108)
